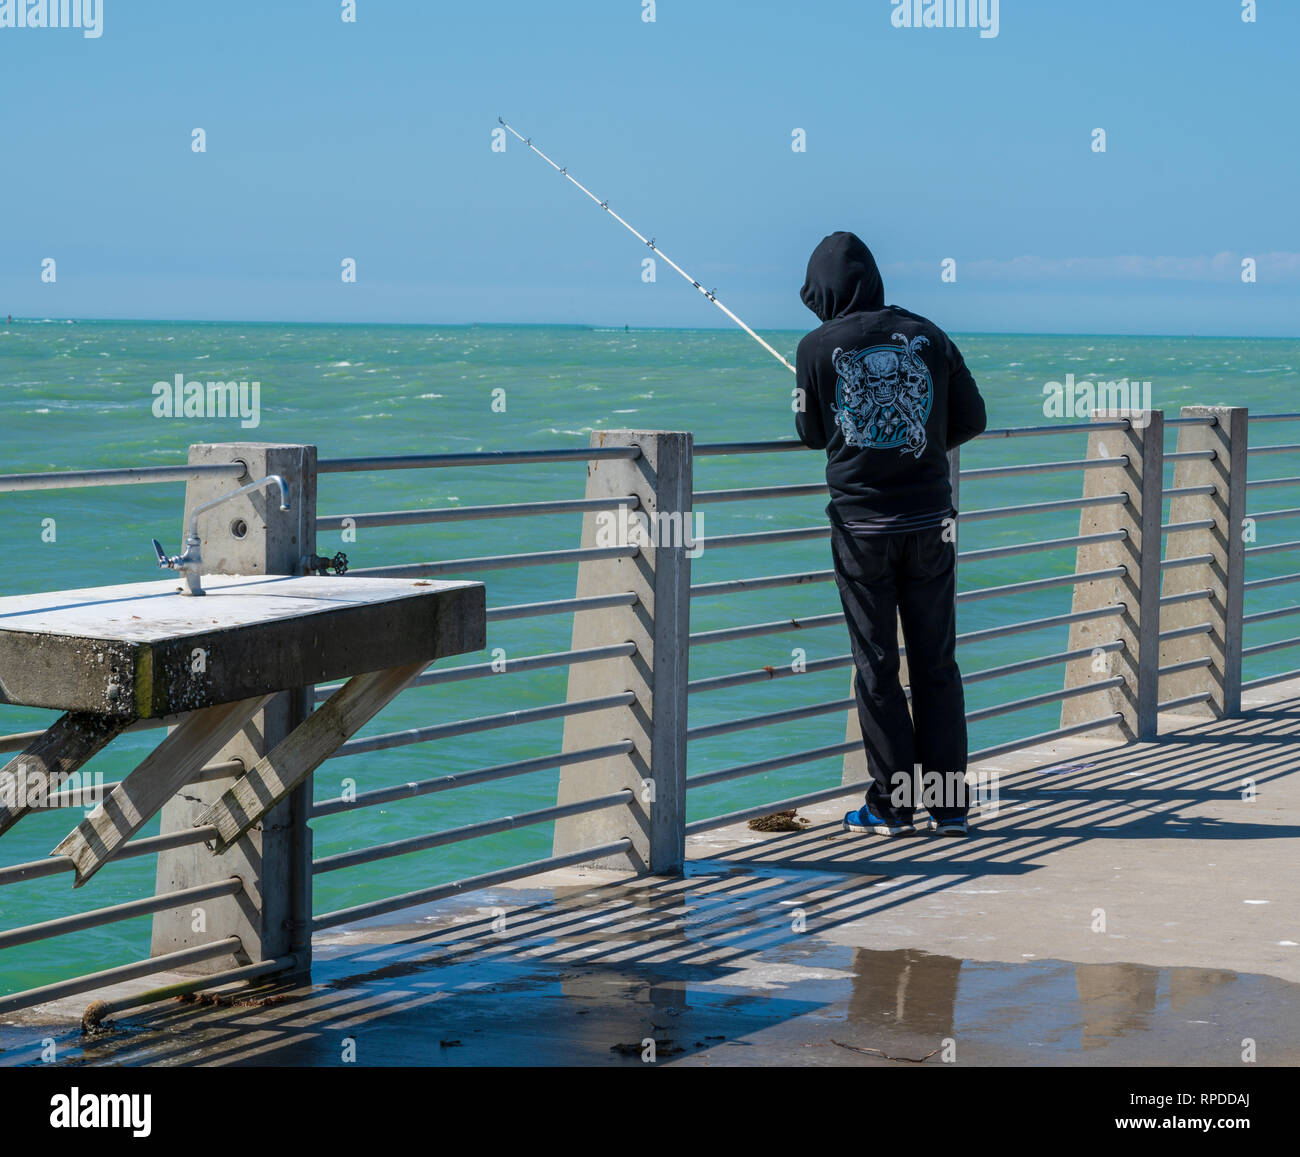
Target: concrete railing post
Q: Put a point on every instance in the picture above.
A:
(657, 673)
(272, 914)
(855, 761)
(1138, 628)
(1223, 575)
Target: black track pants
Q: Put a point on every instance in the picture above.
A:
(912, 577)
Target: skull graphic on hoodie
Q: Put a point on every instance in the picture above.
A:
(883, 395)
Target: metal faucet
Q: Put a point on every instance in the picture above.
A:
(188, 561)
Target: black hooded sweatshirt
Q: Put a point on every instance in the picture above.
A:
(885, 393)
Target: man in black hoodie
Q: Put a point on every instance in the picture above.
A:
(886, 394)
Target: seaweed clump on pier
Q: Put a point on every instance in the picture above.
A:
(92, 1020)
(786, 821)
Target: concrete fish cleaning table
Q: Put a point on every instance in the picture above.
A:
(111, 656)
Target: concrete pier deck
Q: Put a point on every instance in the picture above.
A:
(1127, 905)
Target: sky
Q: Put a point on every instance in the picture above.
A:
(372, 140)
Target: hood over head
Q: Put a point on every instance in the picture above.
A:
(842, 278)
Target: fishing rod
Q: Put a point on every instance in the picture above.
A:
(650, 244)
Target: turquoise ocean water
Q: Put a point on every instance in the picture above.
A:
(80, 396)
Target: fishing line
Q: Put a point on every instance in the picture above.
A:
(648, 243)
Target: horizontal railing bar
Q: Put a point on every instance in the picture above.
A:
(97, 917)
(561, 606)
(1044, 737)
(753, 630)
(1040, 624)
(1188, 665)
(390, 739)
(1185, 597)
(766, 719)
(124, 476)
(1041, 584)
(75, 796)
(1063, 428)
(17, 740)
(765, 582)
(1186, 527)
(457, 566)
(329, 807)
(716, 449)
(422, 843)
(470, 884)
(106, 1008)
(1184, 700)
(467, 513)
(1267, 515)
(506, 667)
(703, 450)
(1292, 448)
(164, 963)
(722, 682)
(1261, 483)
(141, 846)
(739, 771)
(740, 678)
(1269, 680)
(1265, 648)
(800, 490)
(1186, 561)
(1185, 632)
(1045, 698)
(20, 739)
(1265, 616)
(1189, 491)
(811, 532)
(1061, 657)
(1274, 548)
(1191, 455)
(68, 797)
(757, 538)
(476, 458)
(1042, 468)
(1275, 581)
(972, 556)
(1042, 507)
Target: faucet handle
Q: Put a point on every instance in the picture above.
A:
(318, 564)
(164, 563)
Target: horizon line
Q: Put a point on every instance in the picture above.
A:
(591, 327)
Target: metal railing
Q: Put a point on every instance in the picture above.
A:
(1109, 559)
(1258, 550)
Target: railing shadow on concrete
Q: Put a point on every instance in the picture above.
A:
(673, 936)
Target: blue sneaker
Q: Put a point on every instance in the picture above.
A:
(949, 827)
(863, 821)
